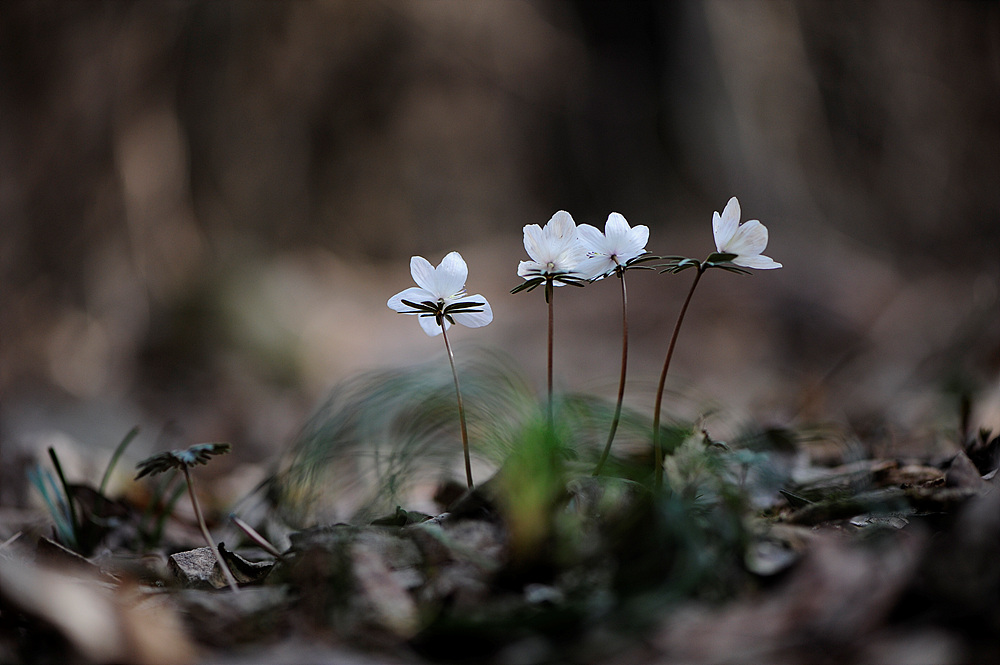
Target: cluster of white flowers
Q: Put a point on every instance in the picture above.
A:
(563, 252)
(564, 249)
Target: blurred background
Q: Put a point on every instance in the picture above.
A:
(205, 205)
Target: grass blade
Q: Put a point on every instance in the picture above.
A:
(132, 433)
(70, 503)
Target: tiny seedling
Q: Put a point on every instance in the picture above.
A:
(60, 504)
(184, 460)
(74, 522)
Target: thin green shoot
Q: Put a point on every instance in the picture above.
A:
(70, 502)
(129, 438)
(46, 485)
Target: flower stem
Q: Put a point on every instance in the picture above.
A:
(461, 408)
(548, 299)
(621, 381)
(657, 444)
(230, 580)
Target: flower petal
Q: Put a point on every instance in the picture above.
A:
(527, 269)
(616, 229)
(724, 226)
(422, 272)
(570, 256)
(430, 325)
(759, 262)
(596, 266)
(750, 239)
(592, 239)
(450, 276)
(534, 241)
(633, 244)
(556, 248)
(563, 246)
(413, 294)
(475, 319)
(561, 225)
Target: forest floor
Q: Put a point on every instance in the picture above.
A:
(778, 548)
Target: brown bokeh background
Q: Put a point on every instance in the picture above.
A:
(205, 205)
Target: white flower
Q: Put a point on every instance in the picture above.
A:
(441, 290)
(618, 244)
(746, 240)
(554, 250)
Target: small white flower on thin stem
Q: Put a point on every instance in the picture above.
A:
(555, 250)
(739, 247)
(612, 249)
(556, 254)
(439, 298)
(613, 252)
(746, 240)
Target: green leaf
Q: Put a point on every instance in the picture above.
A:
(675, 264)
(132, 433)
(529, 285)
(58, 510)
(681, 266)
(71, 505)
(645, 258)
(720, 257)
(463, 308)
(426, 306)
